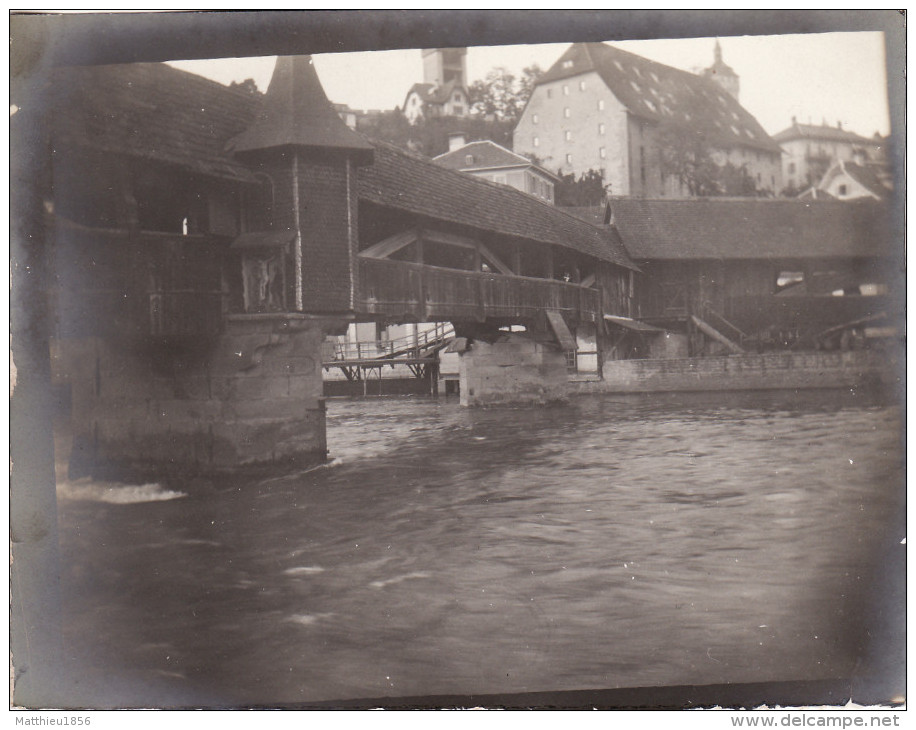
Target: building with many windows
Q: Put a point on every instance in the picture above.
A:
(811, 149)
(602, 108)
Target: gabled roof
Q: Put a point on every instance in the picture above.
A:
(151, 111)
(822, 133)
(296, 112)
(431, 94)
(661, 93)
(403, 181)
(868, 176)
(486, 154)
(750, 228)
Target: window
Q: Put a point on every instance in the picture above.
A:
(581, 86)
(549, 93)
(457, 97)
(601, 128)
(458, 110)
(568, 159)
(534, 118)
(469, 159)
(791, 168)
(842, 190)
(565, 90)
(602, 153)
(567, 64)
(566, 112)
(568, 135)
(536, 142)
(600, 105)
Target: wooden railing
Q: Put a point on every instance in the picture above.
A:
(397, 288)
(115, 283)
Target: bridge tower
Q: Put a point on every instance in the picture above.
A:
(249, 393)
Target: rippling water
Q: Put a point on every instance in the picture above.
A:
(611, 542)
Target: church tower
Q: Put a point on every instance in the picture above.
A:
(722, 73)
(441, 65)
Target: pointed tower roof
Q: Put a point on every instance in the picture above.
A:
(296, 112)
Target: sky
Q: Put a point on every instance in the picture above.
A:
(832, 77)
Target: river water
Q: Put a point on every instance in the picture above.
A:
(616, 541)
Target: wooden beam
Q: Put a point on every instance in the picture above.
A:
(503, 269)
(716, 335)
(384, 249)
(450, 239)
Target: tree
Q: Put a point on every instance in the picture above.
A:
(248, 86)
(686, 155)
(501, 95)
(589, 190)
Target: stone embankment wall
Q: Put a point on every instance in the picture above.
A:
(745, 372)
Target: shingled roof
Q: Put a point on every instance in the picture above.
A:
(750, 228)
(400, 180)
(662, 93)
(151, 111)
(822, 133)
(296, 112)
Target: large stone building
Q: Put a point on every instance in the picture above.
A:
(444, 88)
(601, 108)
(811, 149)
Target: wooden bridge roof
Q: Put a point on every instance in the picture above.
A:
(751, 228)
(400, 180)
(152, 111)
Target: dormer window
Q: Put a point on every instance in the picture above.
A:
(601, 128)
(568, 135)
(566, 112)
(581, 86)
(536, 141)
(567, 64)
(534, 118)
(565, 90)
(600, 105)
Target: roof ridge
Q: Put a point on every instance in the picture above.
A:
(211, 82)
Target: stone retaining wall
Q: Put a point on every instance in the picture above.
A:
(745, 372)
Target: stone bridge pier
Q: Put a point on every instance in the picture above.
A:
(250, 399)
(511, 367)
